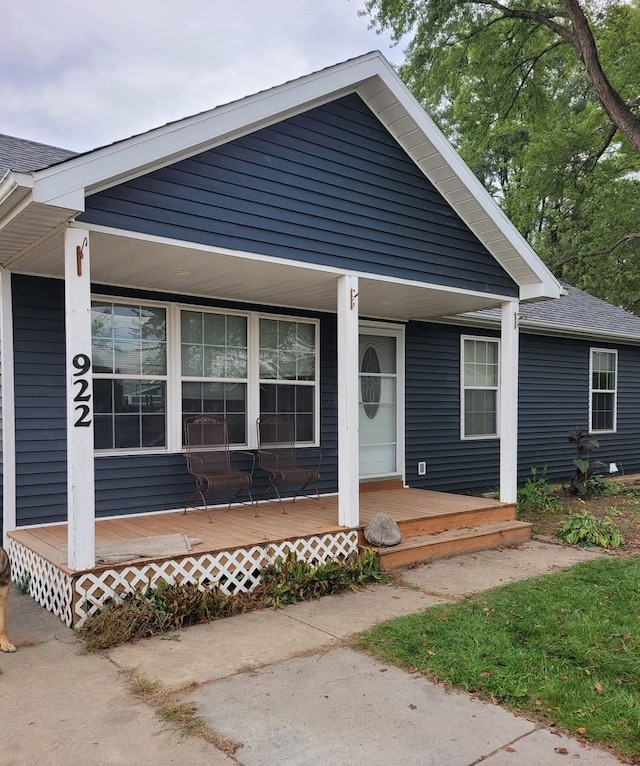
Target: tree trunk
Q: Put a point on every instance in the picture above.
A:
(582, 40)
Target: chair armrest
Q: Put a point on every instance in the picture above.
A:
(269, 461)
(248, 454)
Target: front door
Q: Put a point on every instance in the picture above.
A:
(379, 407)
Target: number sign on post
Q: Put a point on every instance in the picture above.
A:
(80, 468)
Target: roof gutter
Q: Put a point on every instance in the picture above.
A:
(543, 328)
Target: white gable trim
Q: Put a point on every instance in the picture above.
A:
(375, 81)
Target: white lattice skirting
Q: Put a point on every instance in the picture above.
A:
(74, 597)
(49, 586)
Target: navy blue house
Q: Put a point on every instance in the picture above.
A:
(318, 250)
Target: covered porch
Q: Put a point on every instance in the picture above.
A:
(236, 545)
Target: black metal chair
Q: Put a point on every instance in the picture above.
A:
(209, 461)
(279, 457)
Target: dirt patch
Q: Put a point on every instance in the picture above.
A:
(623, 509)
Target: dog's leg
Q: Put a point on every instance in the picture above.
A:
(5, 646)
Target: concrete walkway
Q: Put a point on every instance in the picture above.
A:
(282, 685)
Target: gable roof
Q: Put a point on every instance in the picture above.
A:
(64, 186)
(24, 156)
(575, 313)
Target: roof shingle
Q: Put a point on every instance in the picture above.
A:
(24, 156)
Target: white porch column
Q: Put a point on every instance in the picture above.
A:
(348, 462)
(80, 469)
(8, 406)
(508, 413)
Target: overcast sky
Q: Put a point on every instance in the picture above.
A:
(82, 73)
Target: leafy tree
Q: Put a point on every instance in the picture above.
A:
(520, 88)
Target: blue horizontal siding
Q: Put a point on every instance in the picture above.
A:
(330, 187)
(553, 399)
(40, 400)
(432, 431)
(125, 484)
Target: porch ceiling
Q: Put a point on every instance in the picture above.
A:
(133, 262)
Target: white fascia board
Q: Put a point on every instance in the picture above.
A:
(548, 286)
(169, 143)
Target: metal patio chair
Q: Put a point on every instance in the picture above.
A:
(279, 457)
(209, 461)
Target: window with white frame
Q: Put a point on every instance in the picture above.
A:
(240, 365)
(479, 387)
(214, 368)
(287, 355)
(129, 350)
(603, 389)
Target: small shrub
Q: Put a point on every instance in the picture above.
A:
(168, 606)
(584, 528)
(601, 485)
(585, 467)
(536, 494)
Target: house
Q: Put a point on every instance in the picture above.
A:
(300, 251)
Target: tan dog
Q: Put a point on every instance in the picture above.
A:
(5, 584)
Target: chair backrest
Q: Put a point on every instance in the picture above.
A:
(207, 444)
(275, 440)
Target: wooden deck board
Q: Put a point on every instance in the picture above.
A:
(238, 527)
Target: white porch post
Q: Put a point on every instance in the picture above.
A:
(348, 462)
(8, 406)
(80, 469)
(509, 402)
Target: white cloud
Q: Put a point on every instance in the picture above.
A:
(80, 74)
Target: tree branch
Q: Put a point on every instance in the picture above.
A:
(572, 258)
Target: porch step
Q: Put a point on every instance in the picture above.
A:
(457, 519)
(452, 542)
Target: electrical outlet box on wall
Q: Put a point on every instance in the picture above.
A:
(422, 468)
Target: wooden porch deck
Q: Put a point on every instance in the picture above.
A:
(239, 528)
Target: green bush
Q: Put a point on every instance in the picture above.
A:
(601, 485)
(168, 606)
(536, 493)
(585, 529)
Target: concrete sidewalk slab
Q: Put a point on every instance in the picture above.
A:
(544, 748)
(61, 708)
(344, 614)
(29, 624)
(345, 708)
(207, 652)
(475, 572)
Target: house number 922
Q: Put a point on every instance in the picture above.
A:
(82, 364)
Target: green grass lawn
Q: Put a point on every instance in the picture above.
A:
(563, 649)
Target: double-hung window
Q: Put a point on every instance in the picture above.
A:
(129, 352)
(155, 365)
(288, 373)
(214, 368)
(479, 387)
(603, 389)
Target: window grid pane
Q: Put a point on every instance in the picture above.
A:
(213, 345)
(227, 399)
(294, 401)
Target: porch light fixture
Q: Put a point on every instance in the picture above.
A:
(182, 273)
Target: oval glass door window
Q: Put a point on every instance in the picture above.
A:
(370, 383)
